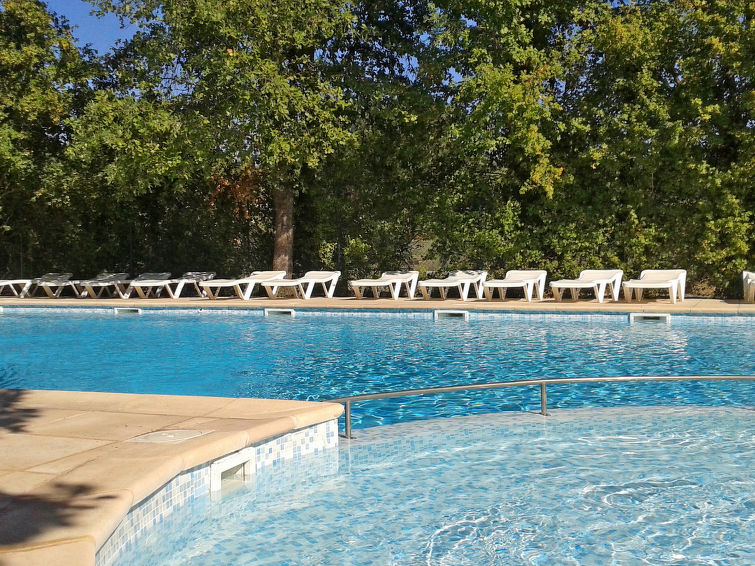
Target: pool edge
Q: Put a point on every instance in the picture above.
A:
(73, 472)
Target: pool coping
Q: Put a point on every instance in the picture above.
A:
(689, 305)
(71, 470)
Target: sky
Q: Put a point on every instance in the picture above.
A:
(101, 33)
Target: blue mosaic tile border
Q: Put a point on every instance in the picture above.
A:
(424, 314)
(275, 460)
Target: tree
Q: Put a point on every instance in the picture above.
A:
(246, 79)
(43, 79)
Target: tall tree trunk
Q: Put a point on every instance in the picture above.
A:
(283, 235)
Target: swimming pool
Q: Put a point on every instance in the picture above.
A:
(323, 355)
(611, 486)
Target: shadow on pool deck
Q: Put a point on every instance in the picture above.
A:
(69, 471)
(13, 415)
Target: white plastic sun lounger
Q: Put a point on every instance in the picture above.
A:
(528, 279)
(18, 287)
(53, 284)
(748, 281)
(243, 286)
(174, 287)
(390, 279)
(595, 279)
(152, 282)
(462, 280)
(671, 279)
(110, 283)
(303, 286)
(154, 287)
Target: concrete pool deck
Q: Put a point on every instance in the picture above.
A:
(691, 305)
(69, 470)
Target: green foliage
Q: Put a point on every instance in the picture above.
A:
(507, 134)
(42, 81)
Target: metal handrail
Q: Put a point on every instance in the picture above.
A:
(347, 401)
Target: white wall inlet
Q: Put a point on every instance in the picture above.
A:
(127, 310)
(438, 314)
(280, 312)
(649, 317)
(232, 469)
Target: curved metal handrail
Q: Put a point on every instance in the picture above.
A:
(347, 401)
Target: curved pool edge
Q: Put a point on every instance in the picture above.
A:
(71, 469)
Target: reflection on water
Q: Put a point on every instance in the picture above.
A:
(237, 353)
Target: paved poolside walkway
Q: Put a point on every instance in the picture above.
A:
(69, 475)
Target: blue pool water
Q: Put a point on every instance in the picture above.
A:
(316, 356)
(612, 486)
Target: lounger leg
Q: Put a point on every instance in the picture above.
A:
(395, 289)
(75, 290)
(556, 294)
(488, 293)
(423, 291)
(443, 292)
(271, 290)
(540, 289)
(174, 294)
(357, 291)
(200, 292)
(600, 291)
(502, 293)
(307, 293)
(627, 293)
(479, 287)
(331, 287)
(528, 291)
(376, 291)
(464, 290)
(244, 294)
(46, 289)
(411, 287)
(672, 294)
(615, 289)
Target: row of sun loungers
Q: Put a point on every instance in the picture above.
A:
(531, 282)
(106, 285)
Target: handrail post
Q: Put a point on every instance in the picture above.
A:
(347, 419)
(543, 400)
